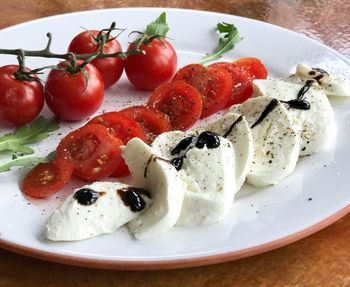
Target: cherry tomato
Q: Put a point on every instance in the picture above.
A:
(20, 101)
(110, 68)
(69, 98)
(214, 85)
(153, 122)
(242, 87)
(156, 67)
(253, 66)
(121, 127)
(48, 178)
(95, 153)
(180, 101)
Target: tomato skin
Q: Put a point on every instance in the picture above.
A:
(242, 86)
(111, 69)
(48, 178)
(95, 153)
(156, 67)
(20, 101)
(253, 66)
(180, 101)
(152, 121)
(123, 128)
(67, 97)
(213, 84)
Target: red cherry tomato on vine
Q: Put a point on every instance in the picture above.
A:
(47, 178)
(110, 68)
(242, 86)
(253, 66)
(213, 84)
(180, 101)
(154, 68)
(94, 152)
(20, 101)
(68, 96)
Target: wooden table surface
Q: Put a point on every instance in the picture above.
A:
(322, 259)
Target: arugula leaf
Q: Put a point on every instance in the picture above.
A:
(26, 161)
(229, 37)
(159, 27)
(28, 134)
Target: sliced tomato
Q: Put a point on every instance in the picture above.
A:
(242, 86)
(153, 122)
(94, 151)
(253, 66)
(121, 127)
(180, 101)
(48, 178)
(214, 85)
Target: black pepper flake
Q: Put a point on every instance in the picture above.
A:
(309, 199)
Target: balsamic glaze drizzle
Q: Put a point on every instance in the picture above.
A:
(269, 108)
(229, 131)
(131, 197)
(153, 157)
(86, 196)
(207, 138)
(304, 90)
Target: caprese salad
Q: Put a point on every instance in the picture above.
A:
(184, 172)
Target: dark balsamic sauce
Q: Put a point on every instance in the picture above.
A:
(320, 71)
(153, 158)
(182, 145)
(304, 90)
(207, 138)
(177, 162)
(269, 108)
(298, 104)
(86, 196)
(229, 131)
(131, 197)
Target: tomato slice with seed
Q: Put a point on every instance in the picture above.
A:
(180, 101)
(242, 86)
(214, 85)
(48, 178)
(95, 153)
(121, 127)
(152, 121)
(255, 68)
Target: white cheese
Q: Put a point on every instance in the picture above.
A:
(241, 138)
(209, 176)
(276, 143)
(332, 85)
(74, 221)
(161, 179)
(316, 126)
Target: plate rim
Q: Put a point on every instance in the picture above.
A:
(173, 263)
(76, 260)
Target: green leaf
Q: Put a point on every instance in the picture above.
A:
(26, 161)
(28, 134)
(159, 27)
(229, 37)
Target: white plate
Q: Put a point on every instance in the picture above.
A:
(261, 219)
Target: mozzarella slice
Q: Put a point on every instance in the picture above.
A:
(276, 143)
(237, 130)
(316, 126)
(162, 180)
(333, 86)
(209, 177)
(74, 221)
